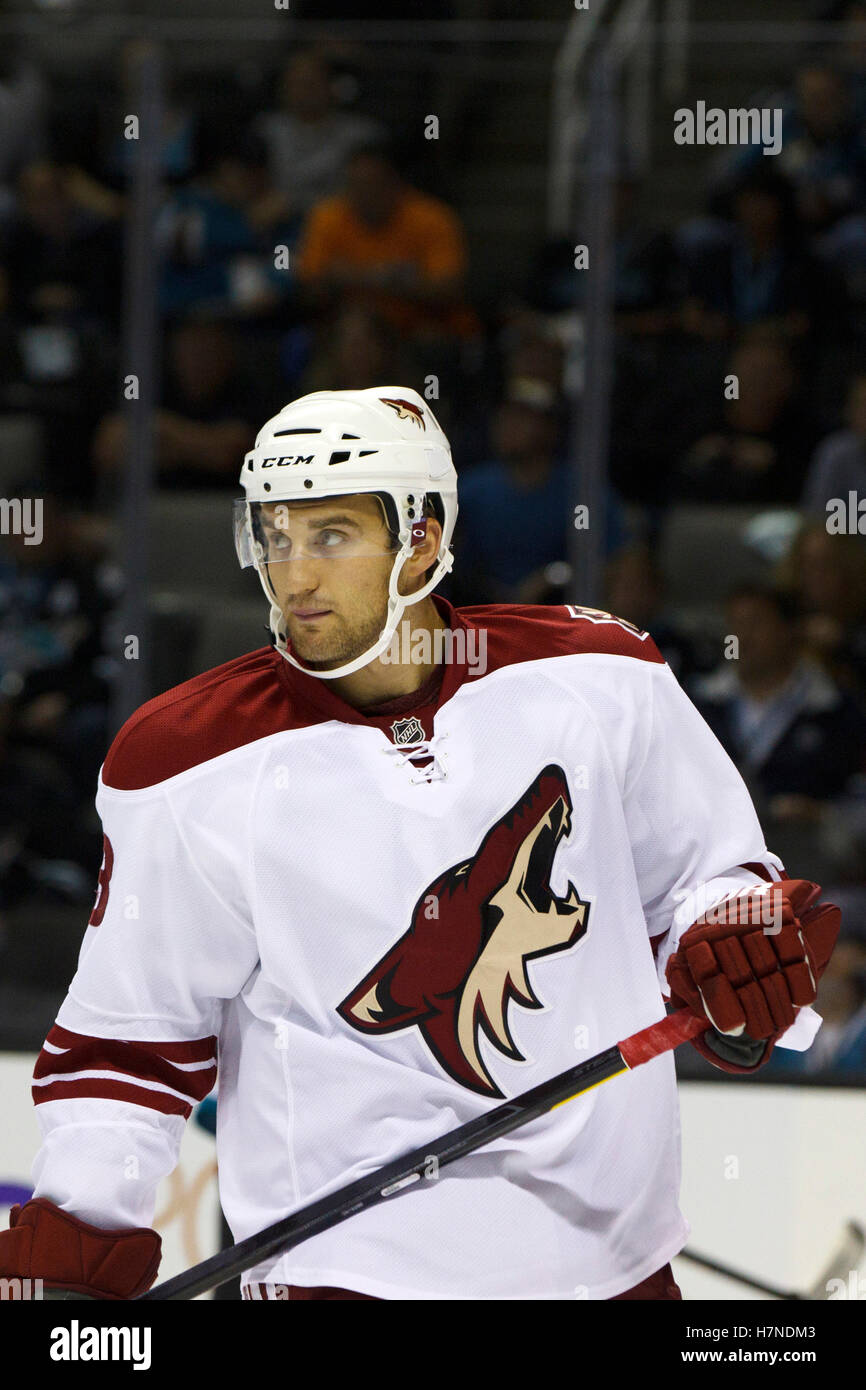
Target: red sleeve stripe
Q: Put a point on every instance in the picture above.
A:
(112, 1069)
(147, 1067)
(44, 1072)
(199, 1050)
(104, 1084)
(113, 1090)
(768, 872)
(60, 1054)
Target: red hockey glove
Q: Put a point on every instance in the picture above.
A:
(748, 964)
(74, 1259)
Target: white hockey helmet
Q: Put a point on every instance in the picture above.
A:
(383, 440)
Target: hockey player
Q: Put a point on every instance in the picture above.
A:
(381, 883)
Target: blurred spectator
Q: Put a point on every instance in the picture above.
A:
(219, 235)
(531, 350)
(795, 735)
(60, 258)
(645, 273)
(22, 120)
(386, 246)
(59, 302)
(515, 509)
(760, 450)
(56, 597)
(838, 464)
(179, 125)
(360, 349)
(849, 53)
(840, 1045)
(842, 250)
(525, 346)
(209, 414)
(667, 393)
(823, 153)
(756, 268)
(823, 150)
(634, 590)
(827, 576)
(308, 140)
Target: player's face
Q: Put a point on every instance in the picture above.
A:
(766, 640)
(335, 604)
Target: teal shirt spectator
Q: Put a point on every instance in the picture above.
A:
(205, 1114)
(506, 532)
(209, 247)
(848, 1057)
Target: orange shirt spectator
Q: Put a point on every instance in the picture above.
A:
(389, 248)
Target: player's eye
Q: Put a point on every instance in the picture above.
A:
(330, 539)
(278, 540)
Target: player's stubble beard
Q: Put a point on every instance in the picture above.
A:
(343, 635)
(343, 644)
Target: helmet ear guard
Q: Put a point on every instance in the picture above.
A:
(385, 441)
(431, 505)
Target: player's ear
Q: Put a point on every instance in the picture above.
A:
(424, 555)
(433, 537)
(422, 559)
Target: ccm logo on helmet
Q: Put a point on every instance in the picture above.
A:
(287, 458)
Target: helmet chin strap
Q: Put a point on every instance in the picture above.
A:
(397, 605)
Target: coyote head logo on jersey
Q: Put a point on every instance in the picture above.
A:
(455, 972)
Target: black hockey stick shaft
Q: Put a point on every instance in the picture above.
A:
(846, 1256)
(402, 1174)
(719, 1268)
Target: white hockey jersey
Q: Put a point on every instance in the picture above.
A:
(375, 946)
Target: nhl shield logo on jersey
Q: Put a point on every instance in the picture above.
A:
(455, 973)
(407, 731)
(406, 410)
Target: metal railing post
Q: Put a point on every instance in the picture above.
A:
(675, 47)
(591, 427)
(140, 361)
(565, 124)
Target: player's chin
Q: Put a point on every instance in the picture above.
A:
(319, 653)
(312, 632)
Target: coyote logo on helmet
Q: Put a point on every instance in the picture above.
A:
(455, 972)
(406, 410)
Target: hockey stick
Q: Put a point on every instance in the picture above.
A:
(400, 1174)
(847, 1257)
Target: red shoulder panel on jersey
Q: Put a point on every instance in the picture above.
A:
(258, 694)
(209, 715)
(528, 632)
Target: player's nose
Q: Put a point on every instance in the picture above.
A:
(302, 576)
